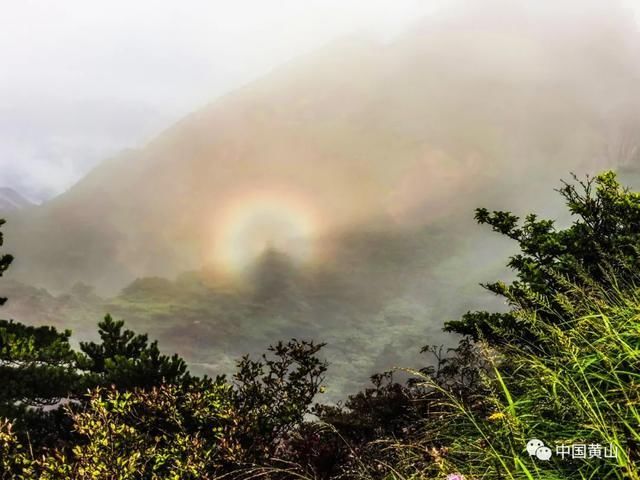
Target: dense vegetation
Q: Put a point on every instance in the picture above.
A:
(561, 365)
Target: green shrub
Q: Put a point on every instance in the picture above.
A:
(585, 391)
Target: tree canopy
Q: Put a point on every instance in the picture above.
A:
(600, 247)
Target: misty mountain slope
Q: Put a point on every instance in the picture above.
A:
(12, 200)
(461, 110)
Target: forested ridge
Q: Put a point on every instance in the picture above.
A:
(561, 364)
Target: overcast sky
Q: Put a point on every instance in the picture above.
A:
(81, 80)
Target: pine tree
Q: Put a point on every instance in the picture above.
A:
(37, 370)
(127, 360)
(601, 248)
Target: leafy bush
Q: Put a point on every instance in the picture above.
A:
(164, 432)
(584, 391)
(602, 246)
(198, 429)
(273, 395)
(562, 364)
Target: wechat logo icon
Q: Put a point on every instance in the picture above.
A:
(536, 448)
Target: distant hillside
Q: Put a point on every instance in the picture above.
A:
(456, 112)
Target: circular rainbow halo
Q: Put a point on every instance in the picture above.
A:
(256, 221)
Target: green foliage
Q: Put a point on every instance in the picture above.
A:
(562, 363)
(163, 433)
(197, 430)
(127, 360)
(37, 369)
(15, 461)
(274, 394)
(37, 364)
(584, 391)
(167, 432)
(393, 428)
(601, 246)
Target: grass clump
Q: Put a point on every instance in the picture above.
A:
(583, 391)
